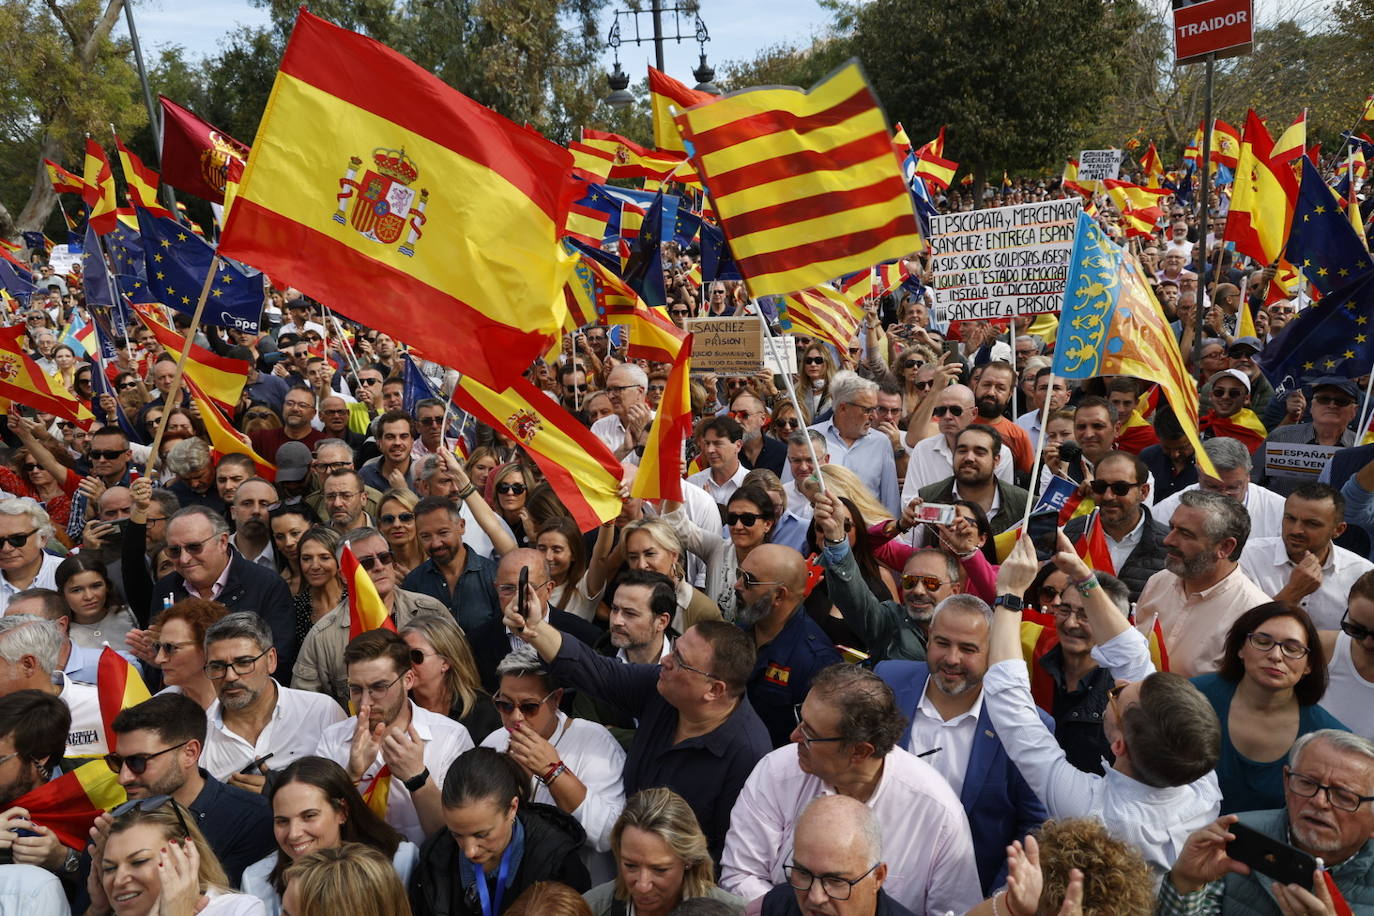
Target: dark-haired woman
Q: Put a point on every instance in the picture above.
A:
(749, 517)
(1272, 676)
(497, 843)
(315, 806)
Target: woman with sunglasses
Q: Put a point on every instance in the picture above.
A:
(130, 395)
(178, 647)
(1272, 676)
(784, 421)
(497, 843)
(154, 860)
(315, 807)
(396, 521)
(98, 614)
(506, 492)
(813, 389)
(322, 588)
(446, 678)
(287, 524)
(749, 518)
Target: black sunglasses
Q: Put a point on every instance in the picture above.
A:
(1354, 630)
(152, 803)
(18, 540)
(136, 763)
(430, 421)
(127, 385)
(109, 454)
(390, 519)
(1118, 487)
(814, 360)
(747, 519)
(527, 708)
(954, 410)
(373, 560)
(510, 489)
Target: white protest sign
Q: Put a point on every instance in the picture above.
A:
(1002, 261)
(1099, 164)
(1295, 459)
(62, 260)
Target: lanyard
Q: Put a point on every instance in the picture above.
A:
(484, 895)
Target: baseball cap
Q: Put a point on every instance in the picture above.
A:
(1235, 374)
(293, 462)
(1251, 342)
(1339, 382)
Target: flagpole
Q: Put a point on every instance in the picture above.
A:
(1039, 454)
(154, 124)
(1364, 409)
(174, 393)
(343, 342)
(1204, 202)
(791, 389)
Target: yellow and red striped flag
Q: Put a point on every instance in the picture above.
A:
(224, 439)
(1263, 198)
(931, 165)
(582, 471)
(141, 181)
(377, 796)
(221, 378)
(631, 220)
(830, 314)
(1368, 113)
(366, 610)
(1141, 223)
(422, 213)
(23, 381)
(69, 804)
(806, 184)
(599, 156)
(63, 181)
(99, 192)
(668, 98)
(660, 467)
(1092, 546)
(118, 686)
(1152, 167)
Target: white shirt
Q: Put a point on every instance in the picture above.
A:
(611, 431)
(926, 840)
(1121, 550)
(266, 559)
(233, 904)
(1155, 821)
(291, 732)
(797, 504)
(663, 653)
(932, 460)
(597, 759)
(1264, 506)
(86, 737)
(1265, 561)
(1349, 697)
(290, 327)
(720, 492)
(30, 889)
(954, 737)
(256, 877)
(46, 578)
(444, 740)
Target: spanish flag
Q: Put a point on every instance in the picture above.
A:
(118, 686)
(668, 98)
(22, 381)
(63, 181)
(660, 474)
(805, 183)
(1039, 635)
(99, 192)
(599, 156)
(1137, 434)
(1092, 546)
(1263, 199)
(366, 611)
(1151, 166)
(224, 439)
(1292, 143)
(141, 181)
(220, 378)
(69, 805)
(1244, 425)
(579, 467)
(377, 796)
(374, 185)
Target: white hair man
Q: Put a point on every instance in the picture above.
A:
(29, 650)
(851, 440)
(24, 529)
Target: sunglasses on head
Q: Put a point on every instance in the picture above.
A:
(137, 764)
(109, 454)
(152, 803)
(510, 489)
(1118, 487)
(953, 410)
(372, 560)
(390, 519)
(747, 519)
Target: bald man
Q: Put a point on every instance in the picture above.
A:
(791, 647)
(932, 459)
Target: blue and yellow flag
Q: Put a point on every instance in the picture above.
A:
(177, 261)
(1111, 324)
(1322, 243)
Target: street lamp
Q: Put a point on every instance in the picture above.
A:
(619, 82)
(684, 12)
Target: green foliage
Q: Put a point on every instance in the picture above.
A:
(789, 65)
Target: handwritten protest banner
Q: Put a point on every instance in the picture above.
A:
(1099, 164)
(1003, 261)
(726, 346)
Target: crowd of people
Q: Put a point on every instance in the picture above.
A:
(791, 691)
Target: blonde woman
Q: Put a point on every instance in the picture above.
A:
(650, 544)
(396, 521)
(351, 878)
(446, 677)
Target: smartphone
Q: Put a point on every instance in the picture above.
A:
(255, 768)
(1270, 857)
(1043, 530)
(936, 513)
(524, 584)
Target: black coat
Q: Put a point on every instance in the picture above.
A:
(552, 841)
(1145, 560)
(490, 643)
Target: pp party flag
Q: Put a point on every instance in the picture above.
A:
(830, 314)
(22, 381)
(224, 438)
(1263, 199)
(118, 686)
(669, 97)
(63, 181)
(579, 467)
(69, 804)
(177, 263)
(1111, 324)
(221, 378)
(805, 183)
(1322, 243)
(1292, 143)
(366, 610)
(141, 181)
(197, 157)
(99, 192)
(660, 467)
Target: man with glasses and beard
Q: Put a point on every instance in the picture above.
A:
(770, 591)
(392, 744)
(1121, 488)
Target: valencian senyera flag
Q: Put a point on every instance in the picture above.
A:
(806, 184)
(374, 186)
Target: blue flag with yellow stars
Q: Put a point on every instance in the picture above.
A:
(1322, 243)
(126, 251)
(100, 291)
(177, 261)
(1333, 337)
(644, 269)
(717, 263)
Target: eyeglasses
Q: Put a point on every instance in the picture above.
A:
(527, 709)
(617, 389)
(1228, 393)
(814, 360)
(109, 454)
(327, 467)
(1114, 696)
(1290, 648)
(244, 665)
(1336, 797)
(1069, 613)
(510, 489)
(509, 589)
(371, 561)
(1332, 401)
(679, 313)
(137, 763)
(418, 656)
(741, 415)
(430, 421)
(747, 519)
(18, 540)
(168, 648)
(835, 887)
(748, 580)
(195, 548)
(807, 738)
(1354, 630)
(374, 691)
(870, 411)
(954, 410)
(389, 519)
(125, 386)
(152, 803)
(1240, 352)
(676, 657)
(1118, 487)
(929, 583)
(258, 415)
(923, 386)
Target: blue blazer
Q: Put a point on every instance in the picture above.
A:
(1000, 805)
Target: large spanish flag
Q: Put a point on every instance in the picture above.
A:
(118, 686)
(579, 467)
(1263, 198)
(375, 187)
(220, 378)
(806, 184)
(660, 467)
(366, 611)
(69, 805)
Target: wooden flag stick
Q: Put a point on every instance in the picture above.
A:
(174, 393)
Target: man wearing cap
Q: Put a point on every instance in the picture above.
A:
(293, 462)
(1242, 353)
(1231, 416)
(1334, 399)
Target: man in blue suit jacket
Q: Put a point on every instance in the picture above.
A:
(950, 730)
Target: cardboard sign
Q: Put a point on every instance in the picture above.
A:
(1099, 164)
(1003, 261)
(726, 346)
(1225, 28)
(1294, 459)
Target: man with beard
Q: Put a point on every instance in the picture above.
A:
(33, 738)
(932, 459)
(253, 501)
(977, 451)
(890, 629)
(297, 414)
(392, 468)
(759, 451)
(791, 647)
(456, 575)
(255, 716)
(157, 751)
(949, 729)
(1202, 589)
(1135, 541)
(991, 395)
(640, 625)
(1327, 785)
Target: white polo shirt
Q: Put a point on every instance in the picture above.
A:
(298, 719)
(1265, 561)
(86, 737)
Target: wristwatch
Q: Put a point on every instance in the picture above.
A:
(71, 863)
(1010, 602)
(417, 782)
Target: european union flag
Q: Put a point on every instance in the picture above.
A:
(126, 251)
(417, 386)
(177, 261)
(11, 280)
(1322, 243)
(100, 292)
(136, 288)
(685, 226)
(644, 269)
(717, 263)
(1333, 337)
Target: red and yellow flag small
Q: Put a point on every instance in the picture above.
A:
(366, 611)
(660, 467)
(118, 686)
